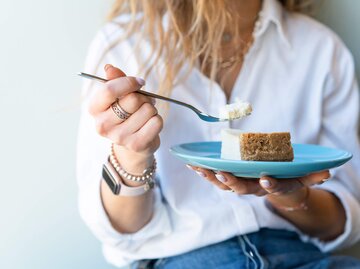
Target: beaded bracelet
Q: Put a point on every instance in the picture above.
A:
(147, 174)
(301, 206)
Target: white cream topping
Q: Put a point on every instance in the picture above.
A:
(230, 144)
(237, 110)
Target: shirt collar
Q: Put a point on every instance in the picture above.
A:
(272, 12)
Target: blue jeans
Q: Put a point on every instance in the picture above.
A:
(265, 249)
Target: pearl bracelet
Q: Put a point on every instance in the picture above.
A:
(146, 177)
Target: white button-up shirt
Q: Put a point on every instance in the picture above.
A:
(298, 76)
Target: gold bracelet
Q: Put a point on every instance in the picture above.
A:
(301, 206)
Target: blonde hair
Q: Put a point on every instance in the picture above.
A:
(195, 29)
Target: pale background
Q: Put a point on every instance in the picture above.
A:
(42, 45)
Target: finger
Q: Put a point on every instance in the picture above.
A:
(113, 90)
(315, 178)
(133, 101)
(137, 120)
(239, 185)
(113, 72)
(107, 120)
(210, 176)
(103, 123)
(198, 170)
(261, 192)
(279, 186)
(191, 167)
(148, 136)
(120, 133)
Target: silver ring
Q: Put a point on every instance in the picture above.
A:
(119, 111)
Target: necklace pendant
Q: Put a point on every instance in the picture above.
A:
(226, 37)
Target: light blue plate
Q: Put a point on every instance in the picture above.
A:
(308, 158)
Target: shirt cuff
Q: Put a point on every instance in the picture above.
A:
(94, 215)
(351, 232)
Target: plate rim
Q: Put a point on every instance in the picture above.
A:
(347, 155)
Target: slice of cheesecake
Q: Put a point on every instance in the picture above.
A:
(240, 145)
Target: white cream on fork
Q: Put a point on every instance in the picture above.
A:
(234, 111)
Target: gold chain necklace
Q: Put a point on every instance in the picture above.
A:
(240, 54)
(236, 58)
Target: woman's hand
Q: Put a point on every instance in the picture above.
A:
(317, 213)
(284, 191)
(136, 138)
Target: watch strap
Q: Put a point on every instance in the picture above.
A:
(117, 186)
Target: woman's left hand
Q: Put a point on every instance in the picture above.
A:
(263, 186)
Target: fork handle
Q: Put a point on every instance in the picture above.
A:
(167, 99)
(103, 80)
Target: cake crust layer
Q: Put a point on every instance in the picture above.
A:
(266, 147)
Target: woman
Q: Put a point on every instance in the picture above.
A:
(298, 76)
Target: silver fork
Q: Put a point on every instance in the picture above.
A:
(202, 115)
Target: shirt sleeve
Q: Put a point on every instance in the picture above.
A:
(92, 151)
(340, 130)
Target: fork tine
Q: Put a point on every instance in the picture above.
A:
(208, 118)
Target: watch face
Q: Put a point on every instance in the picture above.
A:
(109, 175)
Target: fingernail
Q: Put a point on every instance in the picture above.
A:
(221, 178)
(153, 101)
(107, 66)
(189, 166)
(200, 173)
(140, 81)
(265, 183)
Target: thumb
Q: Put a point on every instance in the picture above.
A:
(279, 186)
(113, 72)
(268, 184)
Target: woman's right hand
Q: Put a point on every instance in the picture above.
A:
(136, 138)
